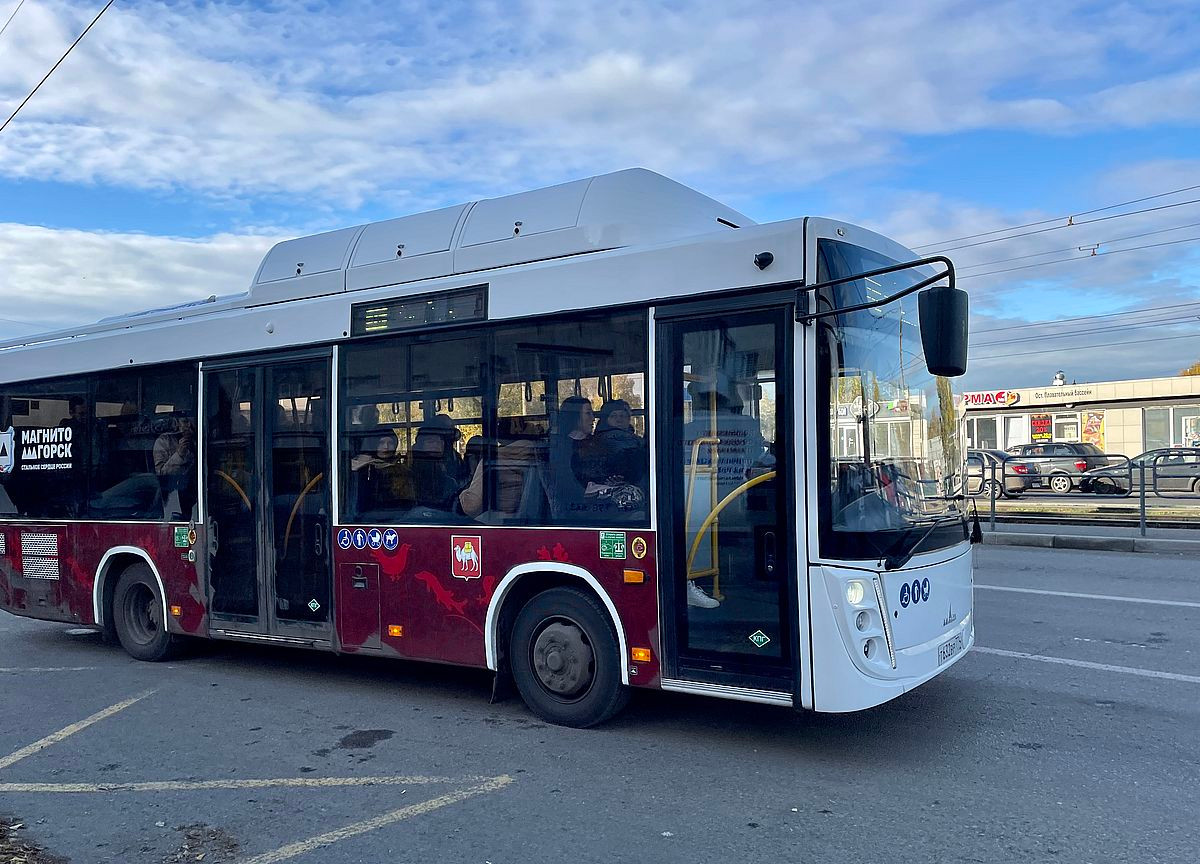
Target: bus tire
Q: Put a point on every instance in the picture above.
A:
(136, 611)
(565, 659)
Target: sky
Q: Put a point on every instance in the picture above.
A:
(180, 140)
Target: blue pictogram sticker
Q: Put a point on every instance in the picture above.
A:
(344, 540)
(904, 595)
(360, 538)
(391, 539)
(916, 591)
(924, 590)
(374, 538)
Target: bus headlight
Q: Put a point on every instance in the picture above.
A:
(855, 591)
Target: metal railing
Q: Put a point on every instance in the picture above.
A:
(1174, 475)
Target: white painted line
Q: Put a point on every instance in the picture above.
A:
(1187, 604)
(191, 785)
(67, 732)
(1085, 664)
(321, 840)
(17, 670)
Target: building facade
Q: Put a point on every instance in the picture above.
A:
(1119, 417)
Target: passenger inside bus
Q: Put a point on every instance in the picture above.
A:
(174, 457)
(437, 468)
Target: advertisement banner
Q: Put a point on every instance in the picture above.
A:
(1041, 428)
(1093, 428)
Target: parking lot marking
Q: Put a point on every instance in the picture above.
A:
(67, 732)
(1086, 664)
(283, 853)
(1187, 604)
(17, 670)
(187, 785)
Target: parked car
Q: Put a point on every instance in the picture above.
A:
(988, 474)
(1169, 471)
(1062, 464)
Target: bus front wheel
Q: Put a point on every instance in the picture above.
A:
(138, 615)
(566, 660)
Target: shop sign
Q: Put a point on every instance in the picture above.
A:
(1041, 427)
(993, 398)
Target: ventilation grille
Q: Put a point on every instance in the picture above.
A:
(39, 568)
(39, 544)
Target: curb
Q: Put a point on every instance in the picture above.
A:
(1092, 543)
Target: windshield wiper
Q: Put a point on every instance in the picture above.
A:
(897, 560)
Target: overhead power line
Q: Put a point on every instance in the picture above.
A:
(1081, 257)
(78, 39)
(1173, 321)
(1089, 317)
(1083, 347)
(1078, 248)
(1070, 218)
(1071, 225)
(12, 16)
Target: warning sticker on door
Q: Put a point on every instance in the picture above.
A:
(759, 638)
(466, 556)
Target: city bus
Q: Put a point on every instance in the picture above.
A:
(605, 435)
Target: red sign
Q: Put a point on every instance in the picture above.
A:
(993, 398)
(466, 556)
(1040, 427)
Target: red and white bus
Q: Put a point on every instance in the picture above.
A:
(603, 435)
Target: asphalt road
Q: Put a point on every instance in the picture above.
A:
(1009, 756)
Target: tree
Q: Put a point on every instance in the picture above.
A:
(1194, 369)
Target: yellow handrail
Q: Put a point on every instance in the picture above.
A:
(748, 485)
(236, 488)
(287, 534)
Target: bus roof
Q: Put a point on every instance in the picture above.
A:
(518, 244)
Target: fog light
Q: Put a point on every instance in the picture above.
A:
(855, 591)
(862, 619)
(869, 648)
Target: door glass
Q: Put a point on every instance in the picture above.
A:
(232, 491)
(298, 427)
(730, 584)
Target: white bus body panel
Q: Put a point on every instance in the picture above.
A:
(844, 679)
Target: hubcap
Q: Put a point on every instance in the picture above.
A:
(563, 659)
(141, 613)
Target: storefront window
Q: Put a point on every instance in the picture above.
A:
(1158, 428)
(1066, 427)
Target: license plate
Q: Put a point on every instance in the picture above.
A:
(950, 648)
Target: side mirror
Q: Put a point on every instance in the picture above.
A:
(943, 311)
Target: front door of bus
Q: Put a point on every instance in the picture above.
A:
(726, 399)
(266, 438)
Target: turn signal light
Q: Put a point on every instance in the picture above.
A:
(641, 655)
(176, 611)
(395, 629)
(634, 577)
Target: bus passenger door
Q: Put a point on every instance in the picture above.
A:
(266, 435)
(724, 418)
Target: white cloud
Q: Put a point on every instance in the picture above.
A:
(61, 278)
(340, 103)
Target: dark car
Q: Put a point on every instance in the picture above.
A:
(1169, 471)
(990, 471)
(1063, 463)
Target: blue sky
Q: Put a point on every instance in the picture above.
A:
(180, 140)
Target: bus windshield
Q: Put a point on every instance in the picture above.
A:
(894, 444)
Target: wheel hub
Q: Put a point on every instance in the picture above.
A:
(562, 659)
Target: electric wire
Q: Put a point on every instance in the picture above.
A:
(1085, 247)
(1089, 317)
(78, 39)
(1163, 322)
(1071, 225)
(1070, 218)
(12, 16)
(1083, 347)
(1080, 258)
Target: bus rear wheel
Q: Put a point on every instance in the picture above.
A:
(138, 615)
(566, 660)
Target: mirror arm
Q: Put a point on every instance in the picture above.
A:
(806, 317)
